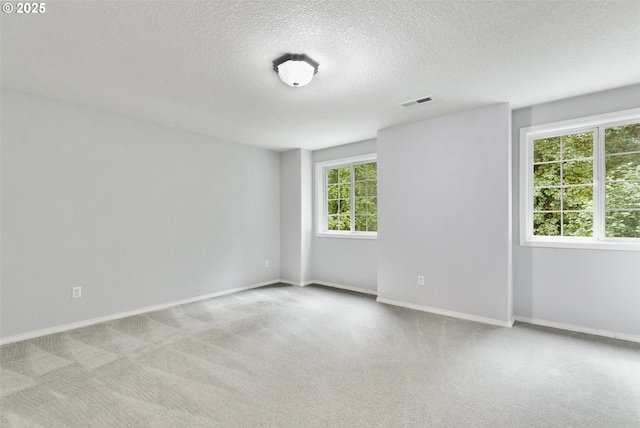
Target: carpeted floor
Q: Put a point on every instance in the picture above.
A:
(296, 357)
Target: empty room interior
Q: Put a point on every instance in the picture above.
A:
(327, 213)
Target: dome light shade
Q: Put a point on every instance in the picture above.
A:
(295, 70)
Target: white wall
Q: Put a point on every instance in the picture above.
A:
(445, 213)
(295, 216)
(135, 213)
(346, 262)
(592, 289)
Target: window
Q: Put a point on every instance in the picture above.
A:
(347, 197)
(580, 183)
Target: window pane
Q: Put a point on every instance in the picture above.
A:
(372, 171)
(345, 191)
(577, 172)
(332, 207)
(622, 139)
(360, 189)
(578, 224)
(361, 223)
(623, 167)
(577, 146)
(624, 194)
(546, 175)
(332, 191)
(360, 172)
(546, 149)
(345, 206)
(372, 206)
(344, 175)
(332, 176)
(577, 198)
(372, 223)
(546, 224)
(345, 222)
(372, 188)
(546, 199)
(622, 224)
(332, 222)
(366, 206)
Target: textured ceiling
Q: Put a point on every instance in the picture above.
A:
(205, 66)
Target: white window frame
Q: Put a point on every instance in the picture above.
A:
(321, 197)
(597, 124)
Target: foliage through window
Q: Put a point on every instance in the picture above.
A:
(348, 197)
(563, 185)
(581, 182)
(622, 185)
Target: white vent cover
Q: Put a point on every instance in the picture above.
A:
(416, 101)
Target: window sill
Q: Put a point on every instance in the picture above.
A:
(583, 244)
(347, 235)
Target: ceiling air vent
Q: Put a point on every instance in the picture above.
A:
(416, 101)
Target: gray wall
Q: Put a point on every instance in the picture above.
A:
(595, 289)
(141, 214)
(136, 213)
(306, 206)
(295, 216)
(445, 213)
(343, 261)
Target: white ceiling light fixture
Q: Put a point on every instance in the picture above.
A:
(295, 70)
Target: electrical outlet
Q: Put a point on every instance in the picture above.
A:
(420, 280)
(266, 263)
(76, 292)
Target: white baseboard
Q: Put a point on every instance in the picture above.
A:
(330, 284)
(447, 313)
(296, 283)
(579, 329)
(346, 287)
(72, 326)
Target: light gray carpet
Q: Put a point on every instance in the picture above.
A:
(295, 357)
